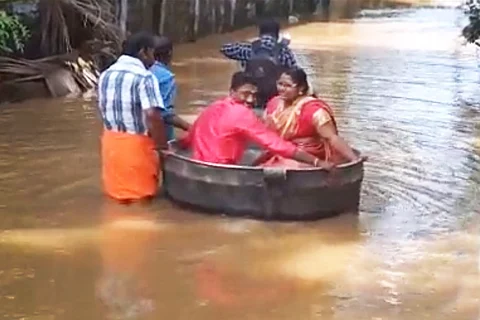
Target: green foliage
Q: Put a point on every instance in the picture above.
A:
(472, 31)
(13, 34)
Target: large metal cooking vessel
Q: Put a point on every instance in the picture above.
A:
(262, 193)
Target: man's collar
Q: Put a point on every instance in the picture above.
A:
(124, 59)
(268, 35)
(160, 64)
(231, 100)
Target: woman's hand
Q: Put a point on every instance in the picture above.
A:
(360, 159)
(329, 166)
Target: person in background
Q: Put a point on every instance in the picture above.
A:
(133, 130)
(306, 121)
(265, 58)
(168, 87)
(269, 37)
(220, 133)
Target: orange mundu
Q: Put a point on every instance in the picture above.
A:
(130, 166)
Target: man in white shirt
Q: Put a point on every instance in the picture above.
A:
(130, 104)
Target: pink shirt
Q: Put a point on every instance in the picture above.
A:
(221, 132)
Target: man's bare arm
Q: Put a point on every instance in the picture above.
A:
(156, 127)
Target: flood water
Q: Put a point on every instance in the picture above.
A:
(405, 91)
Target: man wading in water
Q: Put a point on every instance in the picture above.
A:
(167, 85)
(130, 104)
(265, 58)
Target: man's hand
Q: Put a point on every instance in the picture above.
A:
(163, 147)
(156, 127)
(180, 123)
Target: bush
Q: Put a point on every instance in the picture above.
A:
(13, 34)
(472, 31)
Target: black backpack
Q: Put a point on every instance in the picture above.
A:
(266, 68)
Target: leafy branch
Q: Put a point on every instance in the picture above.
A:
(13, 34)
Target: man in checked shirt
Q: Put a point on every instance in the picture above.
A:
(269, 33)
(266, 58)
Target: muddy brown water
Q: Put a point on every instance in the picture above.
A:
(405, 91)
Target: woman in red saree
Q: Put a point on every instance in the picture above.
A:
(305, 120)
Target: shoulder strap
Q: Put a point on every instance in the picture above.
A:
(277, 49)
(256, 46)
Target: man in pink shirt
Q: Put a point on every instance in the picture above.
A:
(221, 132)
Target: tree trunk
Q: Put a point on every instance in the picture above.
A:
(163, 15)
(221, 23)
(197, 18)
(260, 8)
(122, 16)
(233, 7)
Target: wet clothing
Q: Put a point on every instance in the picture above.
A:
(130, 165)
(129, 160)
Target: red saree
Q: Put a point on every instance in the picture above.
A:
(298, 124)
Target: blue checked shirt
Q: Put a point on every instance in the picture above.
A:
(243, 51)
(125, 90)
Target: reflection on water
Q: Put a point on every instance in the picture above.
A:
(128, 238)
(405, 91)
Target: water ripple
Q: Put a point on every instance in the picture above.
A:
(405, 92)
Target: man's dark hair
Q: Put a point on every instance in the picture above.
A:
(137, 42)
(269, 26)
(163, 47)
(241, 78)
